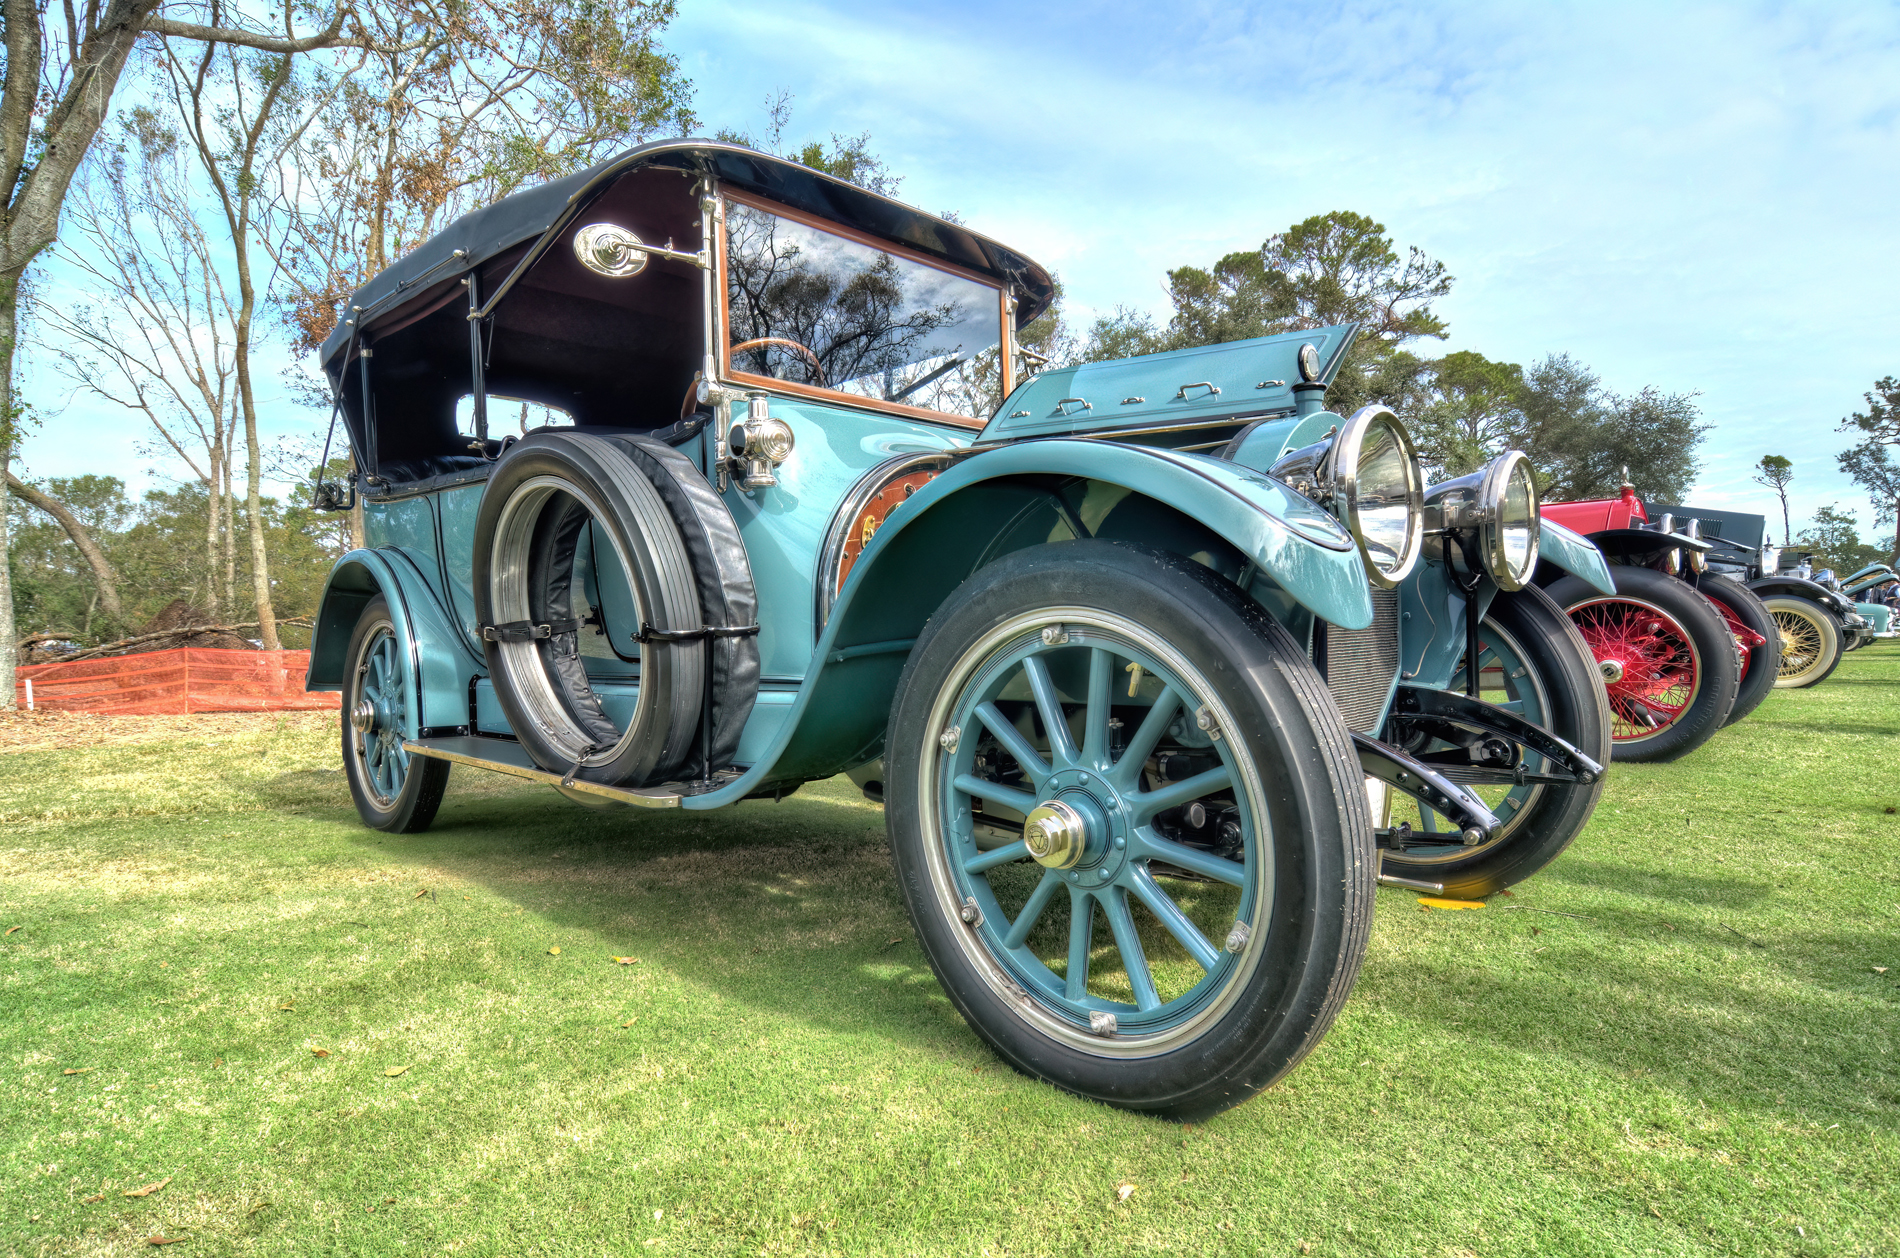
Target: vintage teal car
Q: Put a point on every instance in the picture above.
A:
(700, 475)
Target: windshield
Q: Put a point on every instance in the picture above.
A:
(809, 307)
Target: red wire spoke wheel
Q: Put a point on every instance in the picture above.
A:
(1670, 663)
(1649, 663)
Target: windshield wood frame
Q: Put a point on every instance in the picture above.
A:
(1005, 308)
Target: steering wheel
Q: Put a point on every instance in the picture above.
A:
(762, 341)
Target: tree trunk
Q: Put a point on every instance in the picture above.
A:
(9, 290)
(260, 561)
(104, 579)
(9, 429)
(213, 506)
(227, 533)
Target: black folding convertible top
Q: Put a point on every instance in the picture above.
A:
(544, 210)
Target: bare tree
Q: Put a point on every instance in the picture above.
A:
(62, 69)
(458, 105)
(243, 112)
(161, 342)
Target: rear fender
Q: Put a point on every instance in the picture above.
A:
(437, 667)
(1295, 559)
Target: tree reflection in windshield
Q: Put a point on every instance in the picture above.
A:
(814, 308)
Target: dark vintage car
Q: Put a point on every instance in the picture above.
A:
(700, 475)
(1815, 620)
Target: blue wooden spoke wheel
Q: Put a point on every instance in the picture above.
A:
(1130, 828)
(393, 790)
(1532, 662)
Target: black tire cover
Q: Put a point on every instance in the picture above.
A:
(727, 596)
(689, 571)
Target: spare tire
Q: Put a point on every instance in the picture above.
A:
(694, 603)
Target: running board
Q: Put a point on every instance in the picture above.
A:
(509, 757)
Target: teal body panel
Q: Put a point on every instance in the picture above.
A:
(784, 527)
(1235, 378)
(1432, 609)
(1574, 553)
(456, 509)
(1263, 445)
(405, 524)
(1878, 614)
(1432, 625)
(437, 665)
(833, 688)
(962, 519)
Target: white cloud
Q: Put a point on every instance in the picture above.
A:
(1692, 197)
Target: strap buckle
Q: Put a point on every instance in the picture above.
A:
(649, 634)
(527, 630)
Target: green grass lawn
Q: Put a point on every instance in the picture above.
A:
(1674, 1041)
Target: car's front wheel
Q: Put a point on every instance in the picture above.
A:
(1533, 663)
(1811, 640)
(1130, 828)
(1668, 660)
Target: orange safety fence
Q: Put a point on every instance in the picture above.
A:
(187, 679)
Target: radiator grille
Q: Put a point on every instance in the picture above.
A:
(1360, 663)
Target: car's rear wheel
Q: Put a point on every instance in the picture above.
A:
(393, 790)
(1811, 640)
(1130, 827)
(1668, 660)
(1532, 663)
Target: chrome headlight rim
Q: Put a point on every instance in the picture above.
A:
(1345, 483)
(1492, 489)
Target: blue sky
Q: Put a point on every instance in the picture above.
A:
(1697, 197)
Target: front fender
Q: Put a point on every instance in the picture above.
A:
(1800, 587)
(1574, 553)
(437, 670)
(1626, 542)
(1301, 548)
(988, 504)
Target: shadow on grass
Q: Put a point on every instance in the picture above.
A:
(792, 909)
(1680, 1016)
(1702, 889)
(1825, 726)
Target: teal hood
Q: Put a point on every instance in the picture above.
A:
(1242, 380)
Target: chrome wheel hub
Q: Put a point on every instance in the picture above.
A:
(1081, 826)
(1612, 671)
(1056, 835)
(363, 716)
